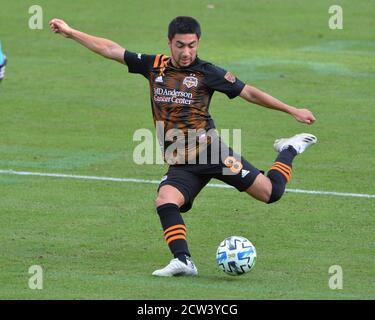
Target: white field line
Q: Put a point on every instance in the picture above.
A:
(215, 185)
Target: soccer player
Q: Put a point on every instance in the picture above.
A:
(3, 62)
(181, 89)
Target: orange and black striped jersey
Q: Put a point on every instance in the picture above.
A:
(180, 97)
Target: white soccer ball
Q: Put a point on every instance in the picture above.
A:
(236, 255)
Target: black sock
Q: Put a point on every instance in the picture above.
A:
(174, 230)
(281, 172)
(286, 156)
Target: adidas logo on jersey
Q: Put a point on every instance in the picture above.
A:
(159, 79)
(244, 173)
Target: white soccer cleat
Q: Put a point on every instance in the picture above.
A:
(300, 142)
(177, 268)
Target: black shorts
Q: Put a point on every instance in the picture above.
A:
(190, 179)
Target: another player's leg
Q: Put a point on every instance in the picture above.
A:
(271, 188)
(168, 203)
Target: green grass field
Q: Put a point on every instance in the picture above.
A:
(65, 110)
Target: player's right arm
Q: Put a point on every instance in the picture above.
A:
(104, 47)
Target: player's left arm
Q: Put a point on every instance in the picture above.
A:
(254, 95)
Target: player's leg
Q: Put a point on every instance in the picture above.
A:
(271, 188)
(169, 194)
(238, 172)
(261, 188)
(175, 195)
(168, 203)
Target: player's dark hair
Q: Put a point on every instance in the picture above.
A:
(183, 25)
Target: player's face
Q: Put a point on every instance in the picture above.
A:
(183, 49)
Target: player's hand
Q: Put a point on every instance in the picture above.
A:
(304, 116)
(61, 27)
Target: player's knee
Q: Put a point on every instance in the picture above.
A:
(169, 194)
(267, 196)
(261, 189)
(277, 192)
(162, 199)
(263, 196)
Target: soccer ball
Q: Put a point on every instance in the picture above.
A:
(236, 255)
